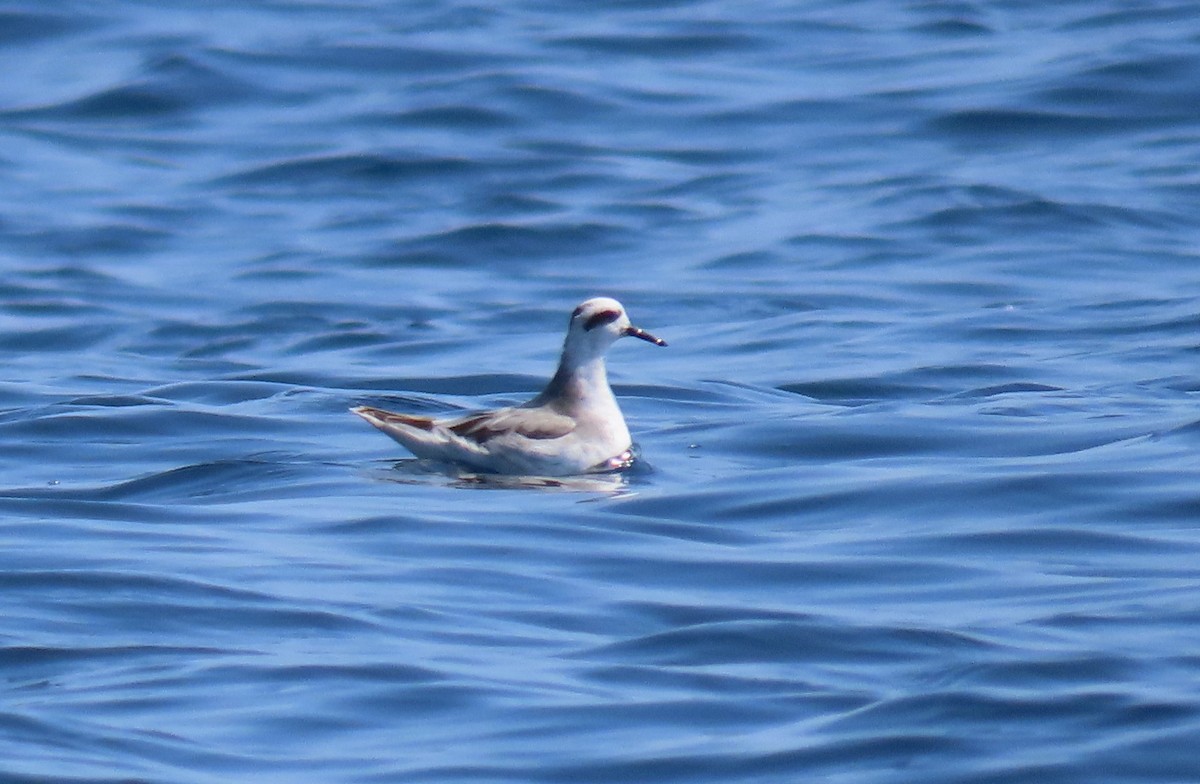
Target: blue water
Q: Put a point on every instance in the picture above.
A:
(920, 494)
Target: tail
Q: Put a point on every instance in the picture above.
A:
(419, 435)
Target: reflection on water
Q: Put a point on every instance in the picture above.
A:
(414, 471)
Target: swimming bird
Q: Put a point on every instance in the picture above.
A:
(573, 427)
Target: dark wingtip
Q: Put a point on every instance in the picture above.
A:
(379, 417)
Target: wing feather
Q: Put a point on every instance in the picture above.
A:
(536, 424)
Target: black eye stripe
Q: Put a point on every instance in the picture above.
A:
(600, 319)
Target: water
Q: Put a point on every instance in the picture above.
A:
(919, 498)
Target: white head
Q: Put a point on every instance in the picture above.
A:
(596, 324)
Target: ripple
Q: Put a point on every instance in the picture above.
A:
(515, 242)
(27, 26)
(169, 86)
(457, 117)
(364, 168)
(114, 239)
(362, 57)
(699, 43)
(1016, 125)
(57, 339)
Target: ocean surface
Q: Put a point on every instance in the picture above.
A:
(919, 496)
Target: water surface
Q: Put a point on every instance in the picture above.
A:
(919, 490)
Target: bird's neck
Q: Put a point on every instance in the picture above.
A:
(583, 381)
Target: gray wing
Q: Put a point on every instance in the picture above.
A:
(534, 423)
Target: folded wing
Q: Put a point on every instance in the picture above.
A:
(536, 424)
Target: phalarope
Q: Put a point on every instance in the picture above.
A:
(574, 426)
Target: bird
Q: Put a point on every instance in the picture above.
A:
(573, 427)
